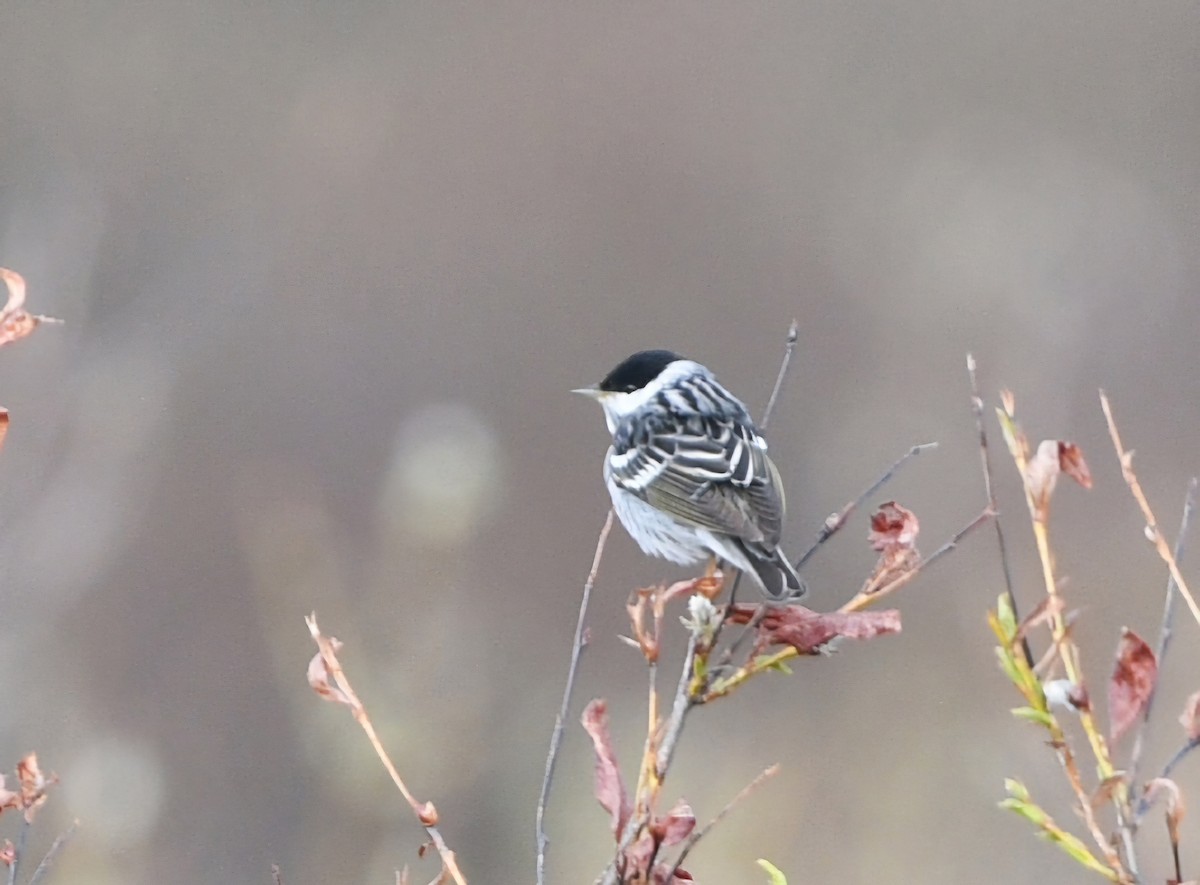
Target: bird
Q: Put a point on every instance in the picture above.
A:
(688, 470)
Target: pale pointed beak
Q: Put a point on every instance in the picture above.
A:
(590, 392)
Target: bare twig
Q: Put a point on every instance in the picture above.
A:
(48, 861)
(1164, 630)
(680, 707)
(700, 833)
(19, 851)
(1125, 457)
(425, 812)
(556, 736)
(789, 347)
(985, 460)
(835, 522)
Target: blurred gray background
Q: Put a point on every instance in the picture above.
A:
(329, 271)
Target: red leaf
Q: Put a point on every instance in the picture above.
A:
(1132, 683)
(1190, 717)
(808, 631)
(609, 787)
(893, 528)
(678, 824)
(1070, 459)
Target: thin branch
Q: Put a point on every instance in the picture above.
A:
(57, 846)
(1160, 543)
(862, 600)
(19, 851)
(557, 735)
(699, 834)
(1165, 628)
(835, 522)
(344, 693)
(789, 347)
(985, 460)
(680, 707)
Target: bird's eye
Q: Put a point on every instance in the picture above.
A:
(630, 388)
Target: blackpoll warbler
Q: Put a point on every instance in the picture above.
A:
(688, 471)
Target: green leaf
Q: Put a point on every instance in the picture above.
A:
(1010, 431)
(776, 877)
(1009, 666)
(1032, 715)
(778, 666)
(1006, 616)
(1028, 810)
(1019, 801)
(1074, 846)
(1016, 789)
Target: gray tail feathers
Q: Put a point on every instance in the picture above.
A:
(776, 575)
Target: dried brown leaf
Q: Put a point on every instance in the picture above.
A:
(427, 814)
(33, 785)
(1134, 674)
(808, 631)
(1070, 459)
(1190, 717)
(1041, 474)
(1176, 808)
(322, 680)
(1107, 789)
(15, 283)
(8, 798)
(608, 785)
(677, 825)
(1054, 456)
(15, 321)
(643, 610)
